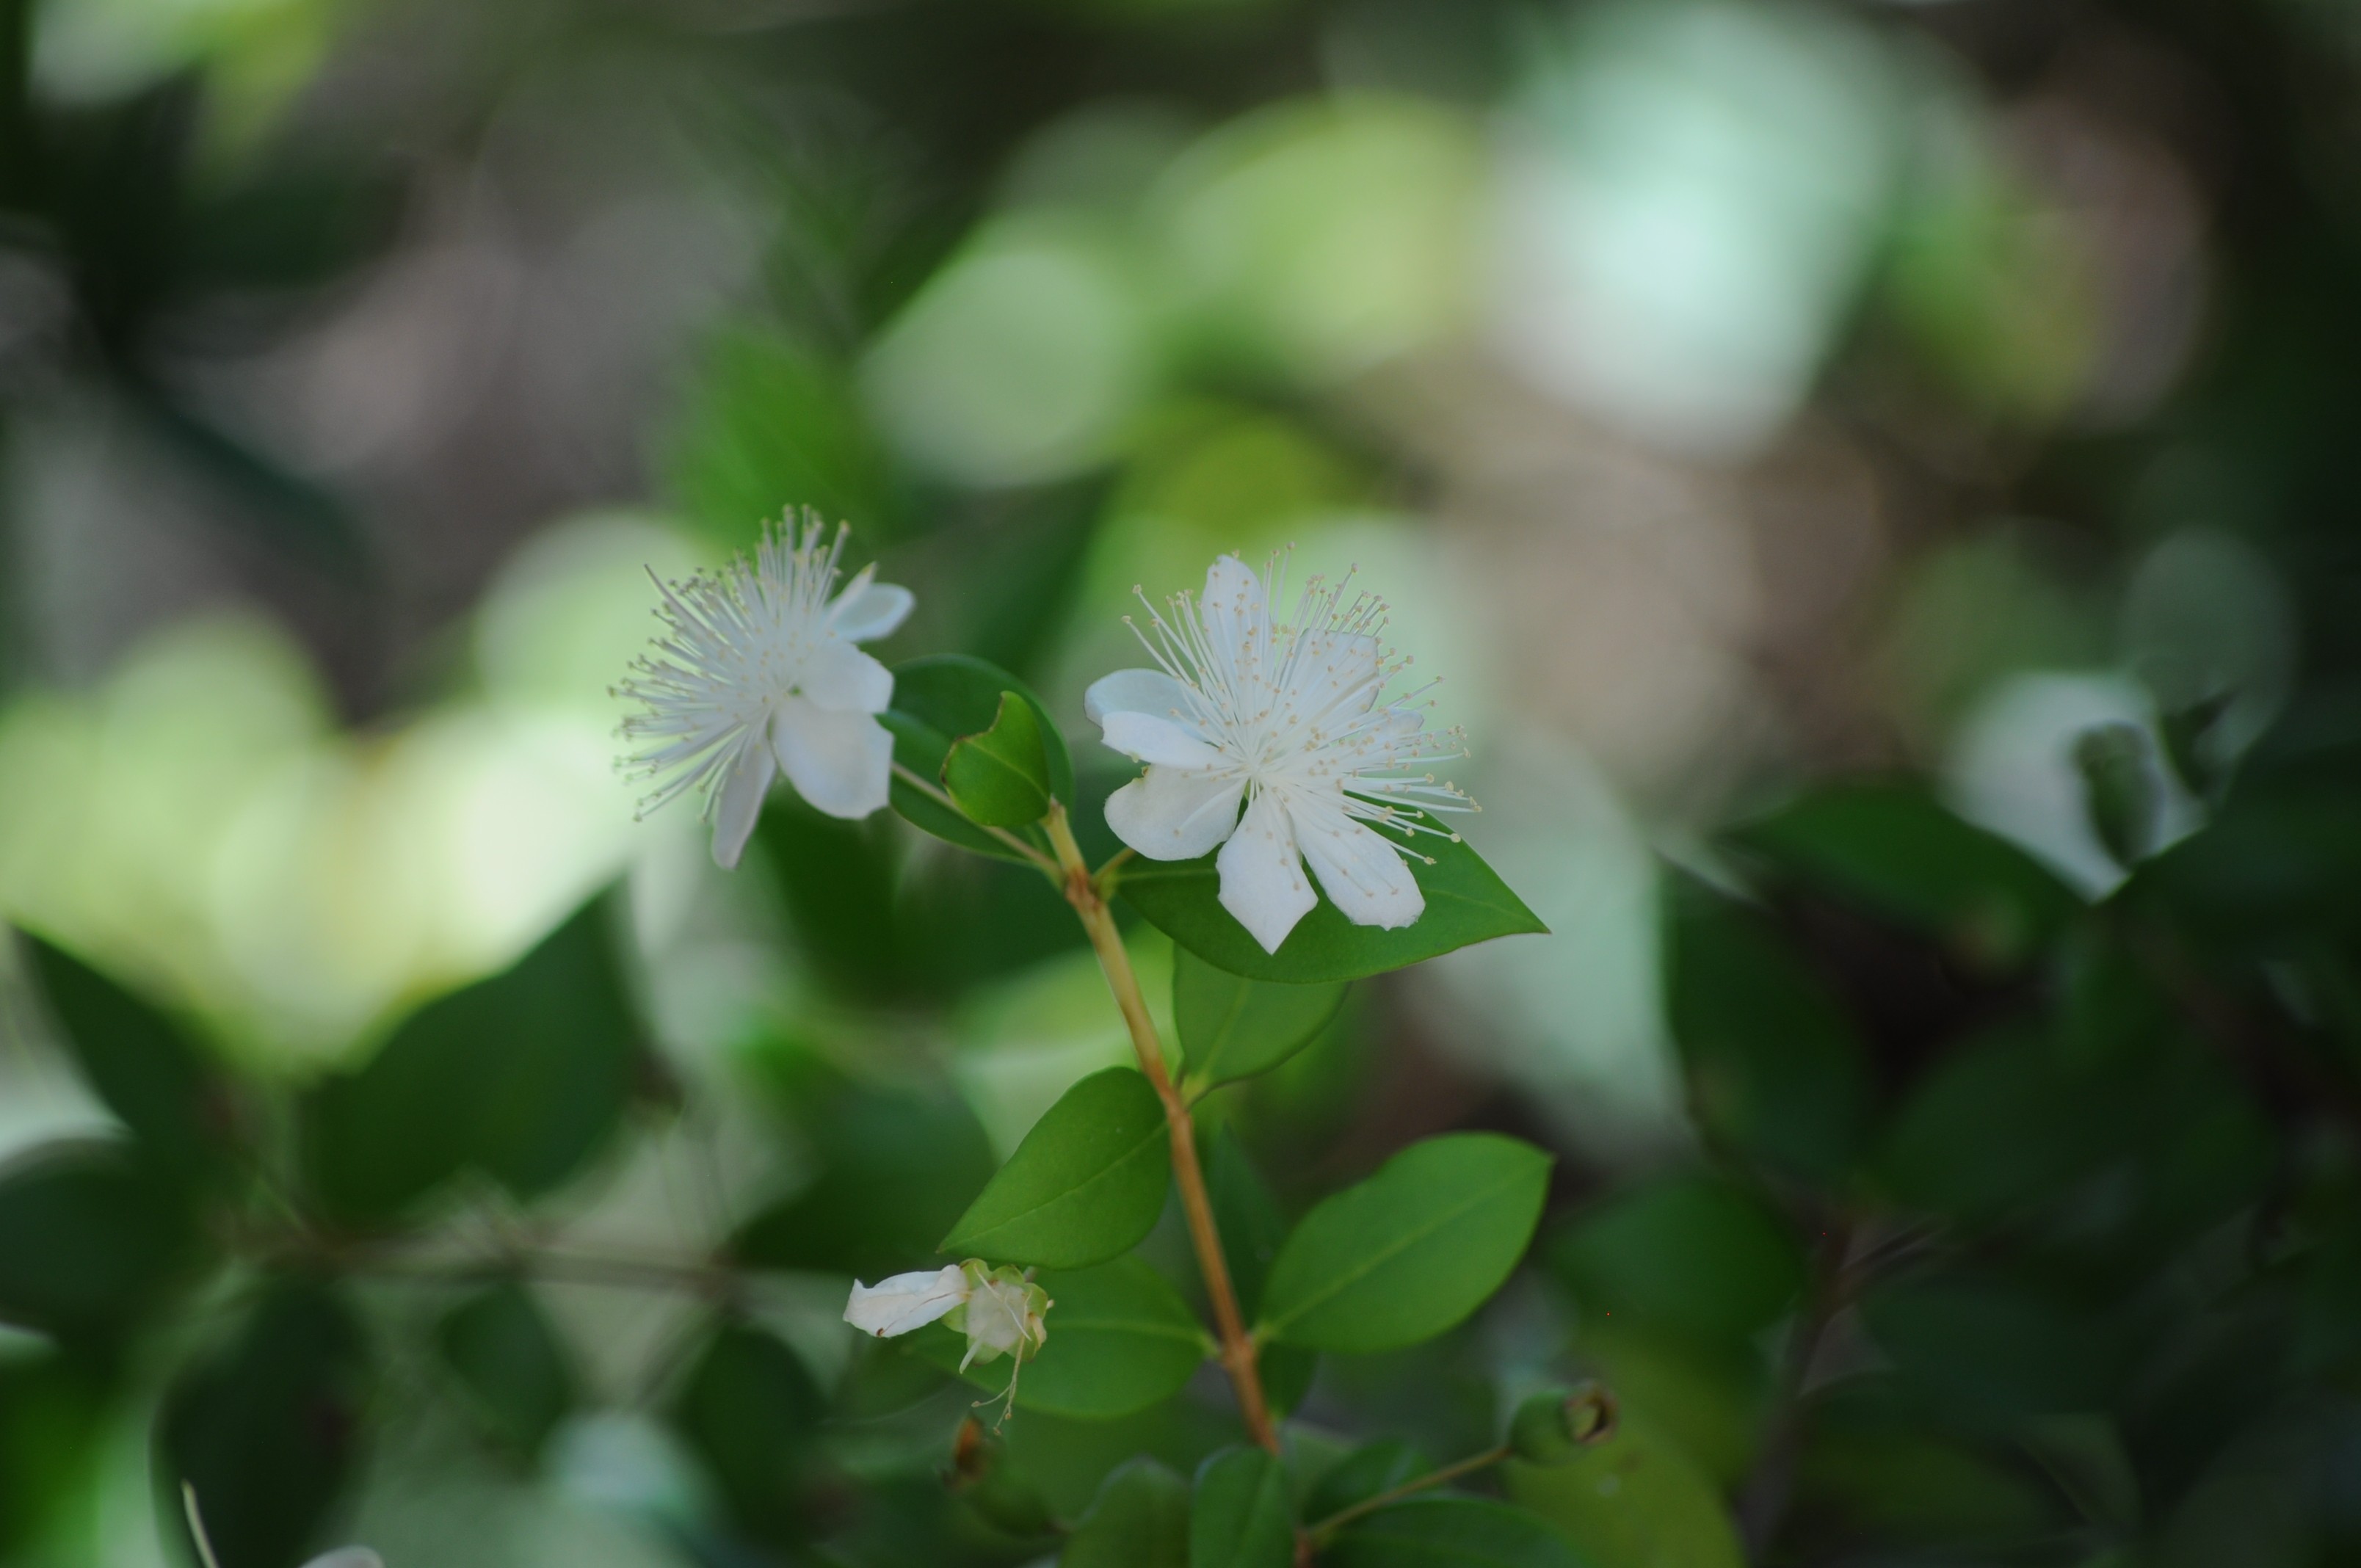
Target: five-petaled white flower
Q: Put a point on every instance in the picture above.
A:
(1000, 1311)
(757, 673)
(1288, 715)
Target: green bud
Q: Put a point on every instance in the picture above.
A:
(1557, 1423)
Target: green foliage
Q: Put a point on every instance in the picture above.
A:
(751, 1413)
(523, 1078)
(146, 1068)
(766, 418)
(1239, 1517)
(1466, 901)
(1085, 1185)
(1690, 1251)
(1140, 1519)
(517, 1374)
(1455, 1532)
(91, 1243)
(1635, 1501)
(1369, 1471)
(267, 1429)
(1232, 1027)
(937, 702)
(1410, 1252)
(1121, 1339)
(1000, 778)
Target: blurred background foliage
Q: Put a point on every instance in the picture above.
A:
(1879, 479)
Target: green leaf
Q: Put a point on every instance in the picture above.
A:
(1466, 901)
(519, 1377)
(1369, 1471)
(1140, 1519)
(1894, 849)
(1452, 1532)
(1990, 1345)
(752, 1414)
(1776, 1069)
(939, 699)
(840, 882)
(1239, 1517)
(142, 1065)
(1233, 1027)
(1001, 777)
(1410, 1252)
(267, 1430)
(1691, 1251)
(1635, 1501)
(1120, 1339)
(1085, 1185)
(1252, 1228)
(91, 1242)
(522, 1077)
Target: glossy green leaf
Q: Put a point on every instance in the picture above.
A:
(517, 1373)
(939, 699)
(522, 1077)
(91, 1241)
(1466, 901)
(146, 1070)
(1252, 1230)
(1085, 1185)
(1634, 1501)
(751, 1414)
(1691, 1251)
(1233, 1027)
(1410, 1252)
(1000, 778)
(1369, 1471)
(267, 1430)
(1120, 1339)
(1239, 1517)
(1140, 1519)
(1452, 1532)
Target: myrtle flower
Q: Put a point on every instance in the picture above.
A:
(1290, 717)
(757, 674)
(999, 1310)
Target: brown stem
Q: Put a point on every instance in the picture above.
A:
(1237, 1346)
(1449, 1472)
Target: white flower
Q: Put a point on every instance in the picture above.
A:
(758, 672)
(1290, 718)
(1000, 1311)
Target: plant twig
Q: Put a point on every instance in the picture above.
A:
(1449, 1472)
(1237, 1347)
(934, 792)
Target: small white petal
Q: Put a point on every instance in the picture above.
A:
(1175, 814)
(1135, 691)
(842, 677)
(1157, 741)
(905, 1301)
(349, 1557)
(740, 805)
(1359, 868)
(840, 762)
(1263, 881)
(867, 608)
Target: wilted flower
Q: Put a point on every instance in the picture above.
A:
(999, 1310)
(1289, 717)
(758, 673)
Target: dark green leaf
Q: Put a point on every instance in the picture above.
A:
(1634, 1501)
(267, 1430)
(522, 1077)
(1239, 1517)
(839, 881)
(1120, 1340)
(2122, 792)
(57, 1411)
(1989, 1347)
(1691, 1251)
(1287, 1372)
(1233, 1027)
(751, 1413)
(518, 1375)
(1246, 1214)
(1001, 777)
(1466, 901)
(1085, 1185)
(1369, 1471)
(1140, 1519)
(1775, 1068)
(1892, 849)
(91, 1241)
(1412, 1250)
(1940, 1158)
(1455, 1532)
(935, 701)
(143, 1065)
(2271, 873)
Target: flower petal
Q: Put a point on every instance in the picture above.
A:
(840, 676)
(1237, 624)
(905, 1301)
(740, 805)
(1150, 692)
(868, 608)
(1263, 883)
(840, 762)
(1154, 740)
(1358, 867)
(1175, 814)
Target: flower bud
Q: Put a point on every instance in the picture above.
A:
(1556, 1423)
